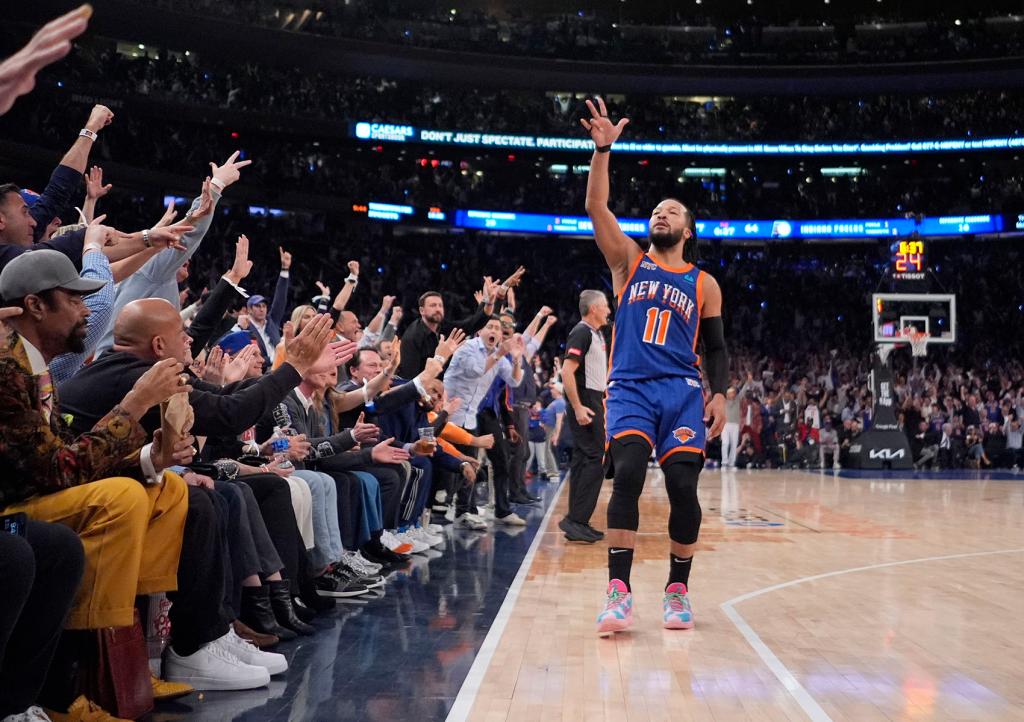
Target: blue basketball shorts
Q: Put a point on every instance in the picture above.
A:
(668, 412)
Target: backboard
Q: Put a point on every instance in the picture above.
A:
(932, 313)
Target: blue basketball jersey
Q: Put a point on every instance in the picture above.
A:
(657, 322)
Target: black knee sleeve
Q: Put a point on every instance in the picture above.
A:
(628, 458)
(681, 474)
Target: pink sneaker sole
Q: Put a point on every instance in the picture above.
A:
(677, 624)
(608, 627)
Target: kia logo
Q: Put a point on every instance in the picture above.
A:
(887, 454)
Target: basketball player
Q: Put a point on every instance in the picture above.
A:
(655, 395)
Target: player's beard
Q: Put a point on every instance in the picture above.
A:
(664, 240)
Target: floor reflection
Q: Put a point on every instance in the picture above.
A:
(403, 656)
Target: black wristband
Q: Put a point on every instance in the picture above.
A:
(603, 148)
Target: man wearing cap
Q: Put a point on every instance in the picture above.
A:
(131, 531)
(46, 285)
(267, 327)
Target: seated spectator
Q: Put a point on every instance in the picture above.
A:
(974, 444)
(41, 565)
(748, 457)
(56, 476)
(995, 446)
(829, 444)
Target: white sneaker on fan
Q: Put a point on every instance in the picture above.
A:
(214, 666)
(251, 654)
(418, 546)
(471, 521)
(361, 564)
(391, 541)
(431, 540)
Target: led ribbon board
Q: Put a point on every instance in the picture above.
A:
(797, 229)
(397, 133)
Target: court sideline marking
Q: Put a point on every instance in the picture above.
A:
(474, 679)
(789, 681)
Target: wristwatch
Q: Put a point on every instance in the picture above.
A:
(227, 469)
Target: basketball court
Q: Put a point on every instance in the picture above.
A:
(816, 596)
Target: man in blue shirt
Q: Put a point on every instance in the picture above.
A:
(470, 377)
(551, 419)
(157, 277)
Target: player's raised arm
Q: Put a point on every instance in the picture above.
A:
(619, 249)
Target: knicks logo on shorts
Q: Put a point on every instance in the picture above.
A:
(684, 434)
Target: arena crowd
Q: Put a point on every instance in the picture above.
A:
(252, 416)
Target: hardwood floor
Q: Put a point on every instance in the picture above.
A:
(935, 638)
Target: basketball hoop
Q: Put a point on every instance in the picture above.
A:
(918, 340)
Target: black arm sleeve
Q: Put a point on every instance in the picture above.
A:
(440, 422)
(395, 398)
(715, 355)
(471, 324)
(208, 319)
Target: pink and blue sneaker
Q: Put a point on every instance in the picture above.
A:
(617, 615)
(676, 606)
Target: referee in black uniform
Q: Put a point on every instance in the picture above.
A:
(585, 378)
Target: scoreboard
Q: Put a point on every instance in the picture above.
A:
(908, 260)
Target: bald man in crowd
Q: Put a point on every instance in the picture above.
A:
(149, 330)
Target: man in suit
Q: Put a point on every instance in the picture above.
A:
(150, 330)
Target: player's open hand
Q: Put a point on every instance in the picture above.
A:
(714, 415)
(602, 130)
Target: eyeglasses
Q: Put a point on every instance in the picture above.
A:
(507, 324)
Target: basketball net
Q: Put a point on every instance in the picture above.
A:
(918, 340)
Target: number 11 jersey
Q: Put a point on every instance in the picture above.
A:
(657, 322)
